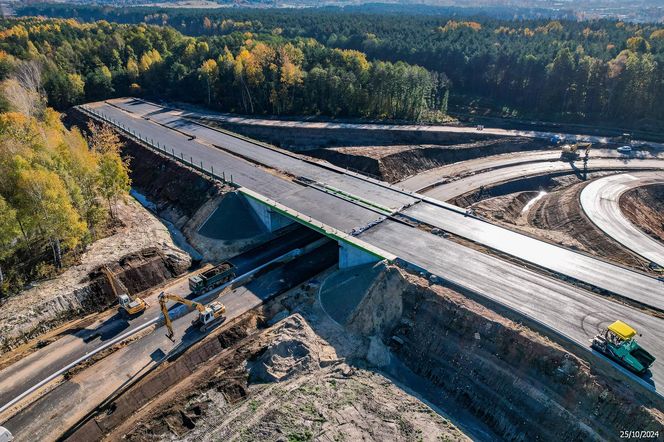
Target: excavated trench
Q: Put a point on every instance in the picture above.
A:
(137, 272)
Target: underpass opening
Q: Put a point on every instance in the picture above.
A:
(352, 251)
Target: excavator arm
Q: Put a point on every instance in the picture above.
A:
(111, 280)
(164, 297)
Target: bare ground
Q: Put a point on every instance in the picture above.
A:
(143, 240)
(308, 378)
(393, 163)
(286, 383)
(557, 216)
(644, 207)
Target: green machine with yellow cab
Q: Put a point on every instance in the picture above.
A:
(618, 343)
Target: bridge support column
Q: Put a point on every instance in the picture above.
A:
(270, 219)
(351, 256)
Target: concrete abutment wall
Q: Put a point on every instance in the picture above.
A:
(270, 219)
(350, 255)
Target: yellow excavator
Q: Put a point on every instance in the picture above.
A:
(207, 315)
(127, 305)
(570, 152)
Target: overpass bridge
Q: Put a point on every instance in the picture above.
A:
(373, 220)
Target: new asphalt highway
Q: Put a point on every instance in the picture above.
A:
(268, 171)
(496, 168)
(600, 201)
(352, 203)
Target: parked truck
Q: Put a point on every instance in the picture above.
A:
(212, 278)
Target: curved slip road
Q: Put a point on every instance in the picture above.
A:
(601, 203)
(422, 181)
(445, 192)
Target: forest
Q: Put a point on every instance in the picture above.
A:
(58, 188)
(246, 72)
(600, 71)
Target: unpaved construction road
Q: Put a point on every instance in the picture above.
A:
(52, 414)
(601, 203)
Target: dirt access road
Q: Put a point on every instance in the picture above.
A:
(63, 406)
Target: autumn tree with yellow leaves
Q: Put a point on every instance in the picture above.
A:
(56, 192)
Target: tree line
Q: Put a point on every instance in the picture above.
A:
(58, 189)
(242, 71)
(565, 70)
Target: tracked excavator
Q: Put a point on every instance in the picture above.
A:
(128, 306)
(570, 152)
(208, 316)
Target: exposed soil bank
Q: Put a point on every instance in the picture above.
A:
(307, 378)
(189, 199)
(311, 397)
(644, 207)
(141, 254)
(521, 384)
(304, 139)
(555, 216)
(268, 379)
(394, 163)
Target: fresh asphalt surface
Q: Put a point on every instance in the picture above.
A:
(601, 203)
(601, 274)
(257, 168)
(150, 121)
(468, 184)
(520, 164)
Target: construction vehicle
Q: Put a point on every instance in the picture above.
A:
(617, 342)
(208, 316)
(128, 306)
(570, 152)
(212, 278)
(557, 140)
(625, 138)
